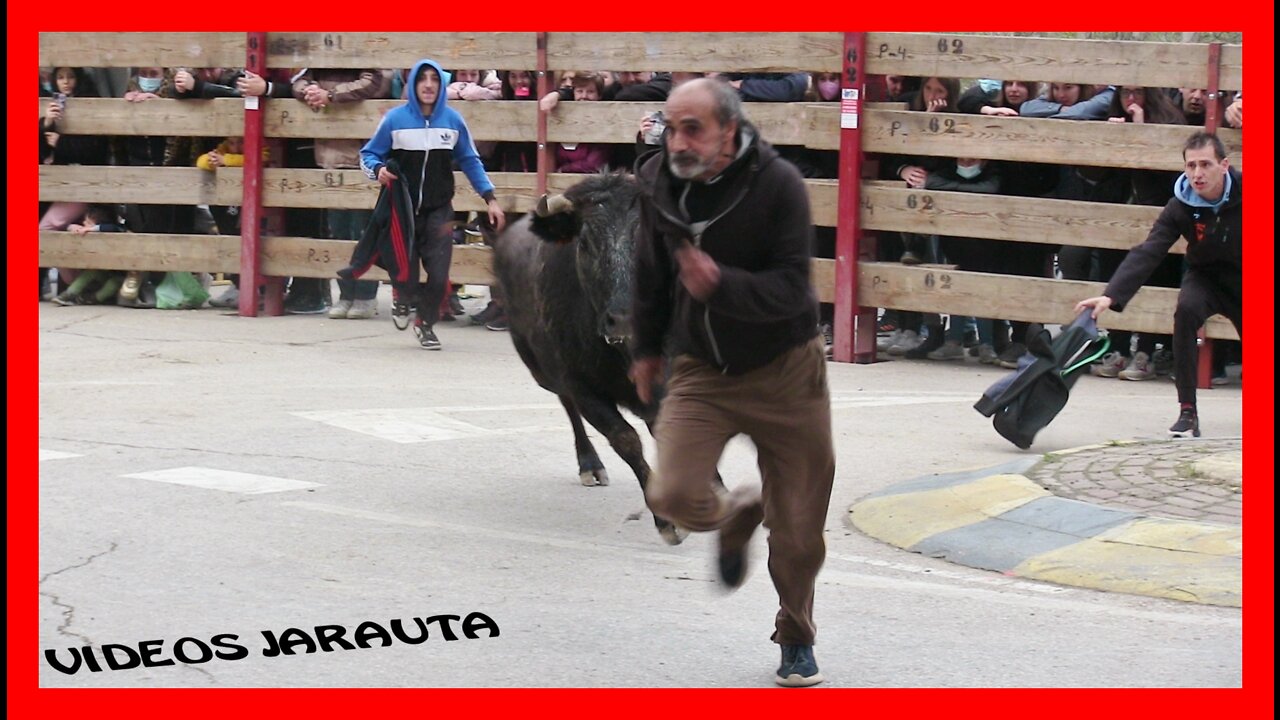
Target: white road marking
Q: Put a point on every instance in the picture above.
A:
(81, 383)
(433, 424)
(948, 583)
(413, 425)
(226, 480)
(55, 455)
(842, 402)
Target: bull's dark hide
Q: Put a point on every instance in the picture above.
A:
(566, 279)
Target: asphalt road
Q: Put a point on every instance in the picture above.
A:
(203, 474)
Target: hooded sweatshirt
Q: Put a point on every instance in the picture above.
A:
(426, 147)
(1212, 230)
(753, 220)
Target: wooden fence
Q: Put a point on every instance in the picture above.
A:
(885, 128)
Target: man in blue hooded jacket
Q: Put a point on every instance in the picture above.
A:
(1207, 210)
(426, 137)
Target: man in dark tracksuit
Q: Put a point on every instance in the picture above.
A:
(722, 283)
(425, 136)
(1207, 210)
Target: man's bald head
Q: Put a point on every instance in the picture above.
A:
(725, 103)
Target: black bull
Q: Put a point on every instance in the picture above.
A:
(565, 273)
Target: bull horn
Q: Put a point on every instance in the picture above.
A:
(552, 205)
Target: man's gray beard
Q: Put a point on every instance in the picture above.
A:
(686, 172)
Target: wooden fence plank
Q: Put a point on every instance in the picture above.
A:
(142, 49)
(1007, 297)
(701, 51)
(309, 257)
(123, 184)
(1002, 217)
(115, 116)
(1123, 145)
(402, 50)
(1111, 62)
(141, 251)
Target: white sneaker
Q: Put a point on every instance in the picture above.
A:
(229, 298)
(885, 342)
(909, 340)
(1141, 368)
(1111, 365)
(363, 309)
(340, 310)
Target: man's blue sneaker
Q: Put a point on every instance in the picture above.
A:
(798, 668)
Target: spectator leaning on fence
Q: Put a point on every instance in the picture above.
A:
(425, 136)
(1206, 210)
(319, 88)
(937, 95)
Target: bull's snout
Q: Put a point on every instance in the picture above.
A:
(617, 327)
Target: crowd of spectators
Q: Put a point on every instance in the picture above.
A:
(910, 334)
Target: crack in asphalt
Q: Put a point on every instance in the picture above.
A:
(69, 611)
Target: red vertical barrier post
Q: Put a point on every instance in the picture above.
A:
(543, 87)
(251, 201)
(1204, 364)
(855, 327)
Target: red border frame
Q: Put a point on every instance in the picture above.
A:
(1256, 699)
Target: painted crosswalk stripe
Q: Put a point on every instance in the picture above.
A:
(414, 425)
(56, 455)
(225, 480)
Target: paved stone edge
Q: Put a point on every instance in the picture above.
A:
(998, 519)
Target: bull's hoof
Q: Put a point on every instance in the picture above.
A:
(591, 478)
(673, 534)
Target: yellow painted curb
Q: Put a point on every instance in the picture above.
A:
(905, 519)
(1140, 569)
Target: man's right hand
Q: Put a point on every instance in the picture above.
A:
(1098, 305)
(385, 177)
(643, 373)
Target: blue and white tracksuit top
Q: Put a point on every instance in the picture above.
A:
(426, 147)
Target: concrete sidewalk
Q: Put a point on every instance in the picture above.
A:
(1158, 518)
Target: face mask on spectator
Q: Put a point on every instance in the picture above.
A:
(990, 87)
(149, 84)
(828, 89)
(969, 172)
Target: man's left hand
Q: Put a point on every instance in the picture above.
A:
(699, 273)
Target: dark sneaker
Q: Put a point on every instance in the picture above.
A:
(490, 312)
(1188, 424)
(401, 312)
(931, 342)
(498, 324)
(313, 305)
(1009, 358)
(732, 565)
(455, 305)
(798, 668)
(426, 336)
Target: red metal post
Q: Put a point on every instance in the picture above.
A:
(543, 87)
(1204, 364)
(855, 327)
(251, 201)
